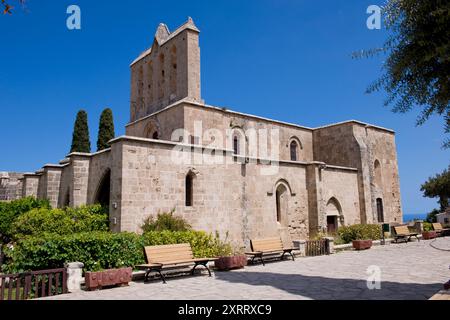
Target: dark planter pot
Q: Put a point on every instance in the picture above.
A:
(362, 244)
(427, 235)
(112, 277)
(228, 263)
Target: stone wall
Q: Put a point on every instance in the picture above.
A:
(10, 186)
(358, 145)
(233, 197)
(167, 72)
(201, 122)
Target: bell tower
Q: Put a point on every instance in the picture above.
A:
(167, 72)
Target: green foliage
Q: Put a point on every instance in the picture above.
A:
(359, 232)
(431, 217)
(61, 221)
(105, 129)
(418, 58)
(165, 221)
(438, 187)
(97, 250)
(10, 211)
(202, 243)
(427, 226)
(102, 250)
(80, 138)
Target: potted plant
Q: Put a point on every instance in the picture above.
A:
(228, 257)
(362, 244)
(428, 232)
(427, 235)
(98, 280)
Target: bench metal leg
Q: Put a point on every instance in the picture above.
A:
(257, 256)
(292, 255)
(147, 273)
(205, 264)
(288, 252)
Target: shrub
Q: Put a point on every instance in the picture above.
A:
(359, 232)
(427, 226)
(202, 243)
(10, 211)
(102, 250)
(61, 221)
(97, 250)
(165, 221)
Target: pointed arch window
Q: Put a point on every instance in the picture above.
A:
(294, 150)
(236, 145)
(189, 189)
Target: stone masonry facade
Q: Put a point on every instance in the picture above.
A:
(201, 160)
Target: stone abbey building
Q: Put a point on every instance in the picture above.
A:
(220, 169)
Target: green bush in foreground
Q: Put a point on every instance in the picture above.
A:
(101, 250)
(10, 211)
(427, 226)
(61, 221)
(97, 250)
(359, 232)
(165, 221)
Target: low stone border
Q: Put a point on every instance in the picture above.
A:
(349, 246)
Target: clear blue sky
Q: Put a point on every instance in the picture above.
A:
(286, 59)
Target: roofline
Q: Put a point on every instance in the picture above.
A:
(188, 25)
(226, 110)
(230, 152)
(83, 154)
(356, 122)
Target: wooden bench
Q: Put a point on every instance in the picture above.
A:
(171, 256)
(439, 230)
(269, 246)
(403, 233)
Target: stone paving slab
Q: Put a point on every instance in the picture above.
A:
(413, 271)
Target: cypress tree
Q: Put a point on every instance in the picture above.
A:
(80, 138)
(105, 129)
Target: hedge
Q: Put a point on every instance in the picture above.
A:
(10, 211)
(359, 232)
(97, 250)
(60, 221)
(100, 250)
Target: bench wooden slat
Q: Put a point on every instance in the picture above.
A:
(402, 230)
(171, 256)
(269, 244)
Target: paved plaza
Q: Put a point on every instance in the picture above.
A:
(408, 271)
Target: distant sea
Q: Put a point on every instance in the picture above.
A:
(412, 217)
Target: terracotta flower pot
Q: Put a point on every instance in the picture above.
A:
(362, 244)
(112, 277)
(427, 235)
(232, 262)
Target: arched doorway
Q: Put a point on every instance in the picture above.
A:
(333, 212)
(380, 210)
(103, 192)
(282, 204)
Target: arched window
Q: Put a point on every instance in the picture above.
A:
(294, 148)
(173, 72)
(161, 81)
(236, 145)
(377, 174)
(189, 201)
(150, 82)
(281, 203)
(155, 135)
(380, 210)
